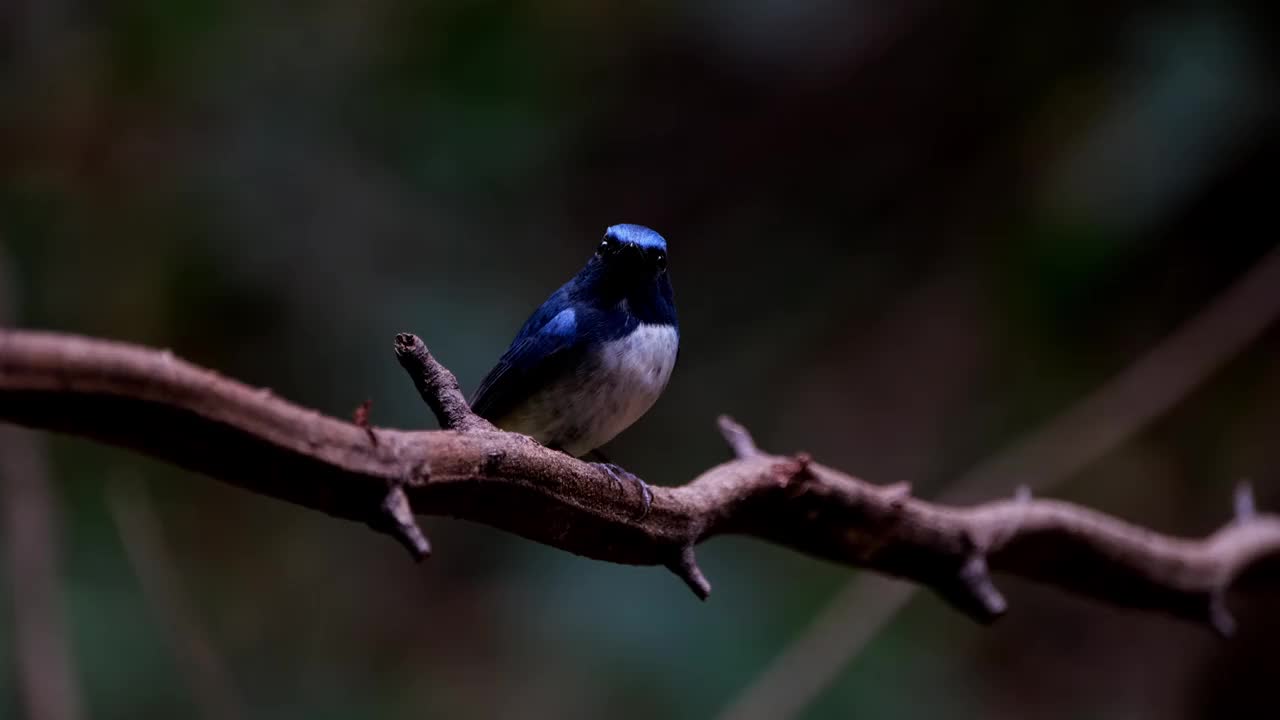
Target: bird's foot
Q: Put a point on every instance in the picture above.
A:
(620, 476)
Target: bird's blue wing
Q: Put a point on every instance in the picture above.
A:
(556, 304)
(549, 342)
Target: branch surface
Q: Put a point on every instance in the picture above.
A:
(150, 401)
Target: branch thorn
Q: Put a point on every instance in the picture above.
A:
(403, 525)
(738, 437)
(686, 568)
(1220, 617)
(975, 593)
(437, 386)
(1245, 507)
(803, 460)
(361, 418)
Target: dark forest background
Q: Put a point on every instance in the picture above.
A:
(902, 236)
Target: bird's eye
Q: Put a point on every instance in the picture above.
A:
(604, 246)
(661, 261)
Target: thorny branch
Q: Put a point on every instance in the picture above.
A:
(152, 402)
(1042, 457)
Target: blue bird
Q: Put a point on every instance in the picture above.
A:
(595, 356)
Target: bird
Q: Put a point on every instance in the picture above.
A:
(595, 356)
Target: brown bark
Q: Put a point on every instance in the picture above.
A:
(157, 404)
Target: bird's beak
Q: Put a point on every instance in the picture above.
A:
(637, 258)
(635, 252)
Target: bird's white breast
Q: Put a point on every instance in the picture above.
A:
(646, 357)
(617, 386)
(634, 371)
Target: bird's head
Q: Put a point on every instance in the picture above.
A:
(629, 267)
(633, 252)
